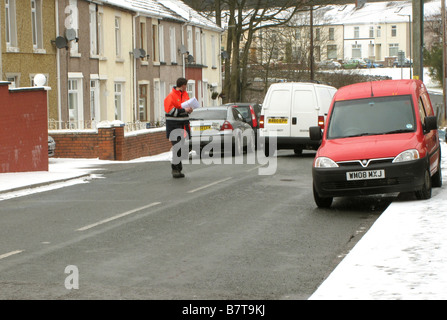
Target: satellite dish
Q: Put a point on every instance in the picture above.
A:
(70, 34)
(61, 42)
(183, 49)
(40, 80)
(139, 53)
(190, 59)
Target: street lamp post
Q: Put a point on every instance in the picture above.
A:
(410, 44)
(444, 58)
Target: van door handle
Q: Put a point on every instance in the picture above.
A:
(294, 120)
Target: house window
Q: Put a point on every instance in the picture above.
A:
(213, 51)
(100, 19)
(393, 31)
(36, 21)
(204, 61)
(73, 24)
(198, 42)
(142, 102)
(94, 100)
(118, 37)
(371, 32)
(159, 95)
(93, 31)
(143, 38)
(10, 23)
(331, 34)
(356, 51)
(172, 45)
(191, 88)
(317, 34)
(332, 51)
(393, 49)
(379, 31)
(298, 34)
(155, 57)
(161, 43)
(118, 101)
(75, 103)
(356, 32)
(190, 43)
(13, 79)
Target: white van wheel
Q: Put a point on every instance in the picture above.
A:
(298, 151)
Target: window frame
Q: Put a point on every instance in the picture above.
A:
(10, 24)
(118, 49)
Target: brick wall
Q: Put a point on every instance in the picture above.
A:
(23, 129)
(110, 142)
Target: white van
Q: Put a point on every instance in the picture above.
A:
(289, 109)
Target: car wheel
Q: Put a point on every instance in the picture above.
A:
(298, 151)
(322, 202)
(237, 146)
(436, 180)
(251, 143)
(425, 192)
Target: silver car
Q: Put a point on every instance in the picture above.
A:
(220, 128)
(51, 146)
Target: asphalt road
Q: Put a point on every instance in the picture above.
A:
(223, 232)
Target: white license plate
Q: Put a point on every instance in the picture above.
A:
(365, 175)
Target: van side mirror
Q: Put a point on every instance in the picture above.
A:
(430, 123)
(315, 133)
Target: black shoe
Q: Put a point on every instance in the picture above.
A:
(177, 174)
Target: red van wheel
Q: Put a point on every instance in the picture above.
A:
(436, 180)
(425, 192)
(322, 202)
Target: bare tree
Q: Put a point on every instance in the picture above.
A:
(244, 19)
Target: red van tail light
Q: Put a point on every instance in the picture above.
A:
(321, 122)
(261, 122)
(226, 126)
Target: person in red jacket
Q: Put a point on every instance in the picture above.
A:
(177, 124)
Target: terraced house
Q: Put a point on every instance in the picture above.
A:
(109, 59)
(27, 28)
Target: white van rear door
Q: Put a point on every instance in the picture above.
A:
(304, 112)
(277, 113)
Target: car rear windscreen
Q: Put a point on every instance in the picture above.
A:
(207, 114)
(372, 116)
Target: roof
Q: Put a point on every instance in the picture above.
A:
(377, 88)
(192, 16)
(167, 9)
(370, 12)
(150, 8)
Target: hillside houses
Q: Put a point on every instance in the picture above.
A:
(374, 30)
(108, 59)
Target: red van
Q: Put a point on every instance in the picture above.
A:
(381, 137)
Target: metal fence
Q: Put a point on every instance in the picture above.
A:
(93, 125)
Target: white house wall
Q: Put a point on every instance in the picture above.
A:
(113, 69)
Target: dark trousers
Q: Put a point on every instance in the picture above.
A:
(177, 155)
